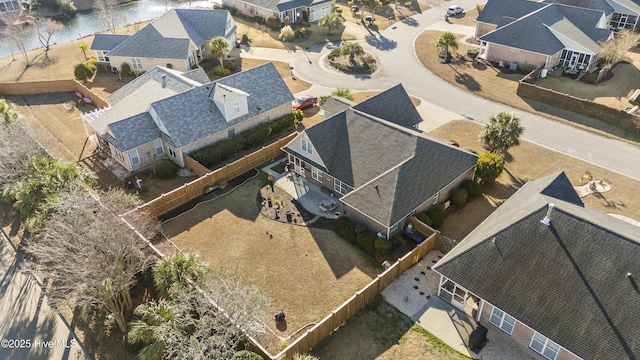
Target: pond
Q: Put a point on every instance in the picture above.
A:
(88, 22)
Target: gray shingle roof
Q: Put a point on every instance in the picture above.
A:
(283, 5)
(532, 32)
(191, 115)
(393, 105)
(106, 42)
(568, 280)
(134, 131)
(502, 12)
(588, 4)
(334, 105)
(169, 36)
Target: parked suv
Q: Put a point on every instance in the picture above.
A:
(454, 10)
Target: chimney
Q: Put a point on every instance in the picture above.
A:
(164, 81)
(547, 218)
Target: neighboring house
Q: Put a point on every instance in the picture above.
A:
(9, 6)
(295, 10)
(335, 105)
(562, 280)
(380, 168)
(178, 39)
(537, 33)
(165, 113)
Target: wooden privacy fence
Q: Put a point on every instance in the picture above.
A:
(361, 298)
(581, 106)
(51, 86)
(200, 186)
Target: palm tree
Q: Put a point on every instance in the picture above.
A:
(330, 22)
(147, 331)
(373, 5)
(8, 112)
(219, 48)
(83, 48)
(502, 132)
(445, 41)
(178, 269)
(352, 49)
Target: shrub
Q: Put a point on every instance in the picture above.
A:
(298, 116)
(323, 99)
(473, 188)
(382, 246)
(344, 93)
(368, 59)
(286, 34)
(246, 355)
(364, 69)
(339, 10)
(245, 39)
(220, 71)
(82, 71)
(366, 240)
(347, 226)
(360, 228)
(125, 69)
(273, 22)
(92, 64)
(472, 54)
(230, 65)
(489, 167)
(436, 214)
(396, 240)
(425, 219)
(459, 196)
(166, 169)
(333, 54)
(258, 19)
(286, 21)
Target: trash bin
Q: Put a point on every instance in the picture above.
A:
(543, 73)
(513, 66)
(238, 42)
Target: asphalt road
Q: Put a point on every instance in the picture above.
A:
(393, 48)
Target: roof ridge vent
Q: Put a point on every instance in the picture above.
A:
(547, 218)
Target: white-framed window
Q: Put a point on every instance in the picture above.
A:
(316, 174)
(133, 156)
(307, 147)
(500, 319)
(236, 107)
(136, 63)
(101, 55)
(339, 187)
(158, 144)
(543, 346)
(119, 154)
(172, 151)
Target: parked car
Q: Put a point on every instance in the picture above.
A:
(454, 10)
(304, 102)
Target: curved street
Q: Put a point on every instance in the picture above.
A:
(394, 49)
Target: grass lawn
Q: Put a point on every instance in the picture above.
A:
(379, 331)
(305, 271)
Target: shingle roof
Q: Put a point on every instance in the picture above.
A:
(548, 30)
(567, 280)
(393, 105)
(107, 42)
(191, 115)
(393, 168)
(334, 105)
(588, 4)
(502, 12)
(283, 5)
(135, 131)
(169, 36)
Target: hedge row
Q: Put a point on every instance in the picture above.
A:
(367, 239)
(224, 149)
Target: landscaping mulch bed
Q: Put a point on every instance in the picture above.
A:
(278, 205)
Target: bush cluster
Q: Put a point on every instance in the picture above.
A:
(85, 70)
(286, 34)
(434, 217)
(273, 22)
(364, 69)
(473, 188)
(333, 54)
(222, 150)
(166, 169)
(458, 197)
(366, 240)
(382, 246)
(220, 71)
(347, 226)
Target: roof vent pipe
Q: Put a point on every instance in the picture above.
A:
(547, 218)
(164, 81)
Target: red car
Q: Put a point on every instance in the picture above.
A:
(304, 102)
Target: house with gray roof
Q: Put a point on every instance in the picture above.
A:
(165, 113)
(295, 10)
(559, 277)
(179, 39)
(380, 169)
(535, 34)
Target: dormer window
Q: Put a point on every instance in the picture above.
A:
(307, 147)
(236, 107)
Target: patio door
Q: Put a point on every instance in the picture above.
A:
(298, 166)
(574, 60)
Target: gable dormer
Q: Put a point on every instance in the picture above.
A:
(231, 102)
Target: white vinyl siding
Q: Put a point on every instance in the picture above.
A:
(500, 319)
(544, 346)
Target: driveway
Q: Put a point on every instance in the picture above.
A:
(393, 48)
(30, 328)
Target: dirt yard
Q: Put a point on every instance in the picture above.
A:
(527, 162)
(306, 271)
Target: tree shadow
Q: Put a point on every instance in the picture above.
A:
(410, 21)
(381, 42)
(468, 81)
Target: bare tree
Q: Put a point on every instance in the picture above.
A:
(45, 33)
(615, 50)
(17, 31)
(106, 11)
(89, 254)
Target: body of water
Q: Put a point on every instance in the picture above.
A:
(88, 22)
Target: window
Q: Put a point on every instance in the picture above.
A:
(316, 174)
(158, 145)
(119, 154)
(544, 346)
(133, 156)
(307, 147)
(500, 319)
(136, 63)
(102, 56)
(236, 107)
(172, 151)
(339, 187)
